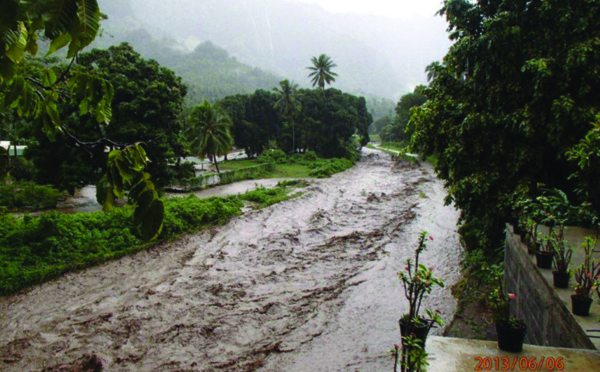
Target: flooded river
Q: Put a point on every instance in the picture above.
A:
(306, 285)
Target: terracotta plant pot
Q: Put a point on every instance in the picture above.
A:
(420, 331)
(581, 305)
(509, 338)
(561, 280)
(544, 259)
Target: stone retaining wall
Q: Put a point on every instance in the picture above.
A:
(212, 179)
(549, 321)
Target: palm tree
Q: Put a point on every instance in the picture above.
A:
(321, 71)
(208, 132)
(288, 105)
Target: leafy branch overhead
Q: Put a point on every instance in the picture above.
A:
(67, 23)
(126, 172)
(73, 24)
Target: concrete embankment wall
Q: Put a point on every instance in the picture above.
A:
(212, 179)
(548, 316)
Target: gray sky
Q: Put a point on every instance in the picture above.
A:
(389, 8)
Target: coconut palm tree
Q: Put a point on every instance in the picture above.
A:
(321, 71)
(208, 132)
(288, 105)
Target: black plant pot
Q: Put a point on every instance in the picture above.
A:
(561, 280)
(544, 259)
(581, 305)
(407, 328)
(509, 338)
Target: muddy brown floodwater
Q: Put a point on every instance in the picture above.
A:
(306, 285)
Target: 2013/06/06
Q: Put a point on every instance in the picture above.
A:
(519, 364)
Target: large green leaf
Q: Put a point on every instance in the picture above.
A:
(59, 16)
(16, 42)
(89, 21)
(149, 215)
(59, 43)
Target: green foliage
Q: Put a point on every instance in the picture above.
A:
(266, 197)
(400, 129)
(329, 120)
(289, 107)
(515, 93)
(208, 131)
(321, 71)
(126, 173)
(326, 123)
(188, 214)
(23, 195)
(209, 72)
(72, 23)
(34, 250)
(146, 106)
(255, 120)
(328, 167)
(22, 169)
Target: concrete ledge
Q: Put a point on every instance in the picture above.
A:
(448, 354)
(545, 309)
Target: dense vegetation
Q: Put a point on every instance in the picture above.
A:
(326, 123)
(316, 167)
(23, 195)
(397, 129)
(145, 108)
(514, 105)
(34, 250)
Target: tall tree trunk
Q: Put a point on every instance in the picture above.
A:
(216, 164)
(294, 136)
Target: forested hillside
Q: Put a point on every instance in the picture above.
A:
(375, 55)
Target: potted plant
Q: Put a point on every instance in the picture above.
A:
(417, 281)
(585, 280)
(533, 241)
(561, 259)
(511, 330)
(543, 257)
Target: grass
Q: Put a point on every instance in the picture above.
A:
(298, 166)
(34, 250)
(236, 164)
(280, 171)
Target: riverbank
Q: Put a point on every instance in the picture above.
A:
(291, 280)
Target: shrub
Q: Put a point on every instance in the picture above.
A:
(26, 194)
(327, 167)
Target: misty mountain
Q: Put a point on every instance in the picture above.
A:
(375, 55)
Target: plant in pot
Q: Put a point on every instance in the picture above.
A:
(534, 241)
(585, 280)
(561, 259)
(417, 281)
(511, 330)
(543, 257)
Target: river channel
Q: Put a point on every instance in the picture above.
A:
(305, 285)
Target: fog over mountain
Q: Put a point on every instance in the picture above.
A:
(374, 55)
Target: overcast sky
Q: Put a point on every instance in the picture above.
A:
(389, 8)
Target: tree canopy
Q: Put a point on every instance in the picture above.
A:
(321, 71)
(40, 94)
(208, 132)
(146, 105)
(513, 104)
